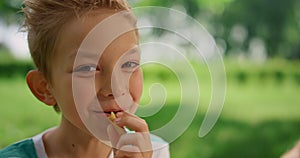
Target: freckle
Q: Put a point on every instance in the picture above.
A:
(73, 145)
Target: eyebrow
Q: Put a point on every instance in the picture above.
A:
(73, 54)
(83, 53)
(133, 50)
(86, 54)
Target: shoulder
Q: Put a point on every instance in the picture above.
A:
(24, 149)
(160, 147)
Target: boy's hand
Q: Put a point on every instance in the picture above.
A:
(138, 144)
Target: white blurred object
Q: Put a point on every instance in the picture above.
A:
(238, 35)
(257, 49)
(14, 40)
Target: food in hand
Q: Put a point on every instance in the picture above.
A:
(112, 116)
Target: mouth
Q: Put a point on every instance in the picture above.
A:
(107, 113)
(106, 108)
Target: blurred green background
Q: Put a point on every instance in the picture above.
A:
(260, 43)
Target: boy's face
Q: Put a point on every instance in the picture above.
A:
(80, 83)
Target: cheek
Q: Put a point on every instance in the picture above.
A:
(136, 85)
(73, 97)
(61, 88)
(64, 96)
(83, 91)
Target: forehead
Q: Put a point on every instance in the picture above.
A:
(76, 30)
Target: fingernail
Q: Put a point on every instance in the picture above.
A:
(119, 114)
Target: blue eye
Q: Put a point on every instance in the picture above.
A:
(85, 68)
(130, 65)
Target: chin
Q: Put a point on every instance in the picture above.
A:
(96, 125)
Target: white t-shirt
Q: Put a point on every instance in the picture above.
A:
(159, 146)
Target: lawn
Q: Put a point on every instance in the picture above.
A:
(260, 118)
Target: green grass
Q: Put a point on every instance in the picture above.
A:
(260, 118)
(21, 115)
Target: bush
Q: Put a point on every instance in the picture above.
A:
(262, 76)
(241, 76)
(296, 77)
(15, 68)
(279, 76)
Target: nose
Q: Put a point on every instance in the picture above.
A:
(107, 90)
(106, 93)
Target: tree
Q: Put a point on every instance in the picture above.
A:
(272, 20)
(9, 10)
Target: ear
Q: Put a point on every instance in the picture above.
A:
(40, 87)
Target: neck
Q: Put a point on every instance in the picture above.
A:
(69, 140)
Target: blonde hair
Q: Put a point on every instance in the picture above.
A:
(44, 20)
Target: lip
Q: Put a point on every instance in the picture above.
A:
(107, 112)
(106, 108)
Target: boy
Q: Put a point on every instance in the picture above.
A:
(65, 43)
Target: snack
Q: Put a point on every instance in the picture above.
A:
(112, 116)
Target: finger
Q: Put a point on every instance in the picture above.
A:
(133, 122)
(119, 129)
(128, 151)
(120, 114)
